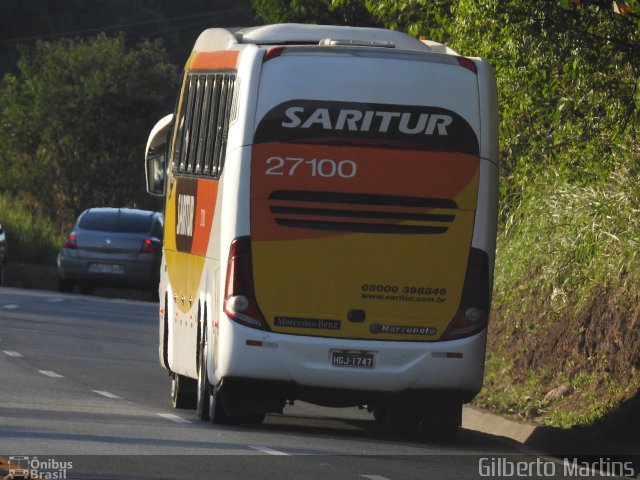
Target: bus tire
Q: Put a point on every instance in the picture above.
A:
(183, 392)
(217, 414)
(443, 431)
(204, 387)
(252, 418)
(444, 426)
(396, 418)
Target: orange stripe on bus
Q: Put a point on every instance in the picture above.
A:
(203, 215)
(222, 59)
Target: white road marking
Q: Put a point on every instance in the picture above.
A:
(174, 418)
(267, 450)
(51, 374)
(106, 394)
(11, 353)
(374, 477)
(10, 306)
(54, 300)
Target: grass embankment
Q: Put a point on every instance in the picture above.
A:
(32, 240)
(566, 312)
(32, 245)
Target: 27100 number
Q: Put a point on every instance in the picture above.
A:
(325, 167)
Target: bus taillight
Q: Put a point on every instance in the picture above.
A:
(239, 299)
(473, 313)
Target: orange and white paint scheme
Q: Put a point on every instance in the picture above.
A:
(330, 215)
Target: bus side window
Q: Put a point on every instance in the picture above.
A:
(197, 92)
(179, 134)
(211, 133)
(185, 126)
(203, 124)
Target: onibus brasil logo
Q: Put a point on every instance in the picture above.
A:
(23, 467)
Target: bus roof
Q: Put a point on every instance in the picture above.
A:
(327, 35)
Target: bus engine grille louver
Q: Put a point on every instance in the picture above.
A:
(361, 213)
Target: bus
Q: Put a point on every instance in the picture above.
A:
(331, 199)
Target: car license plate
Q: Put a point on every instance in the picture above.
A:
(352, 358)
(105, 268)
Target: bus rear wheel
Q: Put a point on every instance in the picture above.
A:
(204, 387)
(183, 391)
(252, 418)
(217, 414)
(208, 401)
(444, 425)
(396, 418)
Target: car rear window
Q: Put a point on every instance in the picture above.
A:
(116, 221)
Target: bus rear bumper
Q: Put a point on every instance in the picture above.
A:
(305, 364)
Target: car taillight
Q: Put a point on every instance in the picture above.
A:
(473, 313)
(239, 299)
(70, 241)
(148, 246)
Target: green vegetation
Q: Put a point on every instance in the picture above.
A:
(75, 123)
(31, 238)
(576, 238)
(566, 302)
(32, 242)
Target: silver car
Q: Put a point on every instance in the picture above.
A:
(3, 255)
(115, 247)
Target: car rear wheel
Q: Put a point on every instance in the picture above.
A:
(65, 285)
(87, 288)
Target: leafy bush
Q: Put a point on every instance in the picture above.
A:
(31, 238)
(75, 123)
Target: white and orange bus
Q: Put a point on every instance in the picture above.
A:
(330, 224)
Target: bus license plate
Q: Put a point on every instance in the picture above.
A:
(349, 358)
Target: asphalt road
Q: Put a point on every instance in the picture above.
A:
(82, 392)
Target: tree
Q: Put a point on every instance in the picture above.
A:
(415, 17)
(75, 122)
(177, 22)
(567, 81)
(331, 12)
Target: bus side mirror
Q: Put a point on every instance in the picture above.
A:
(156, 156)
(156, 174)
